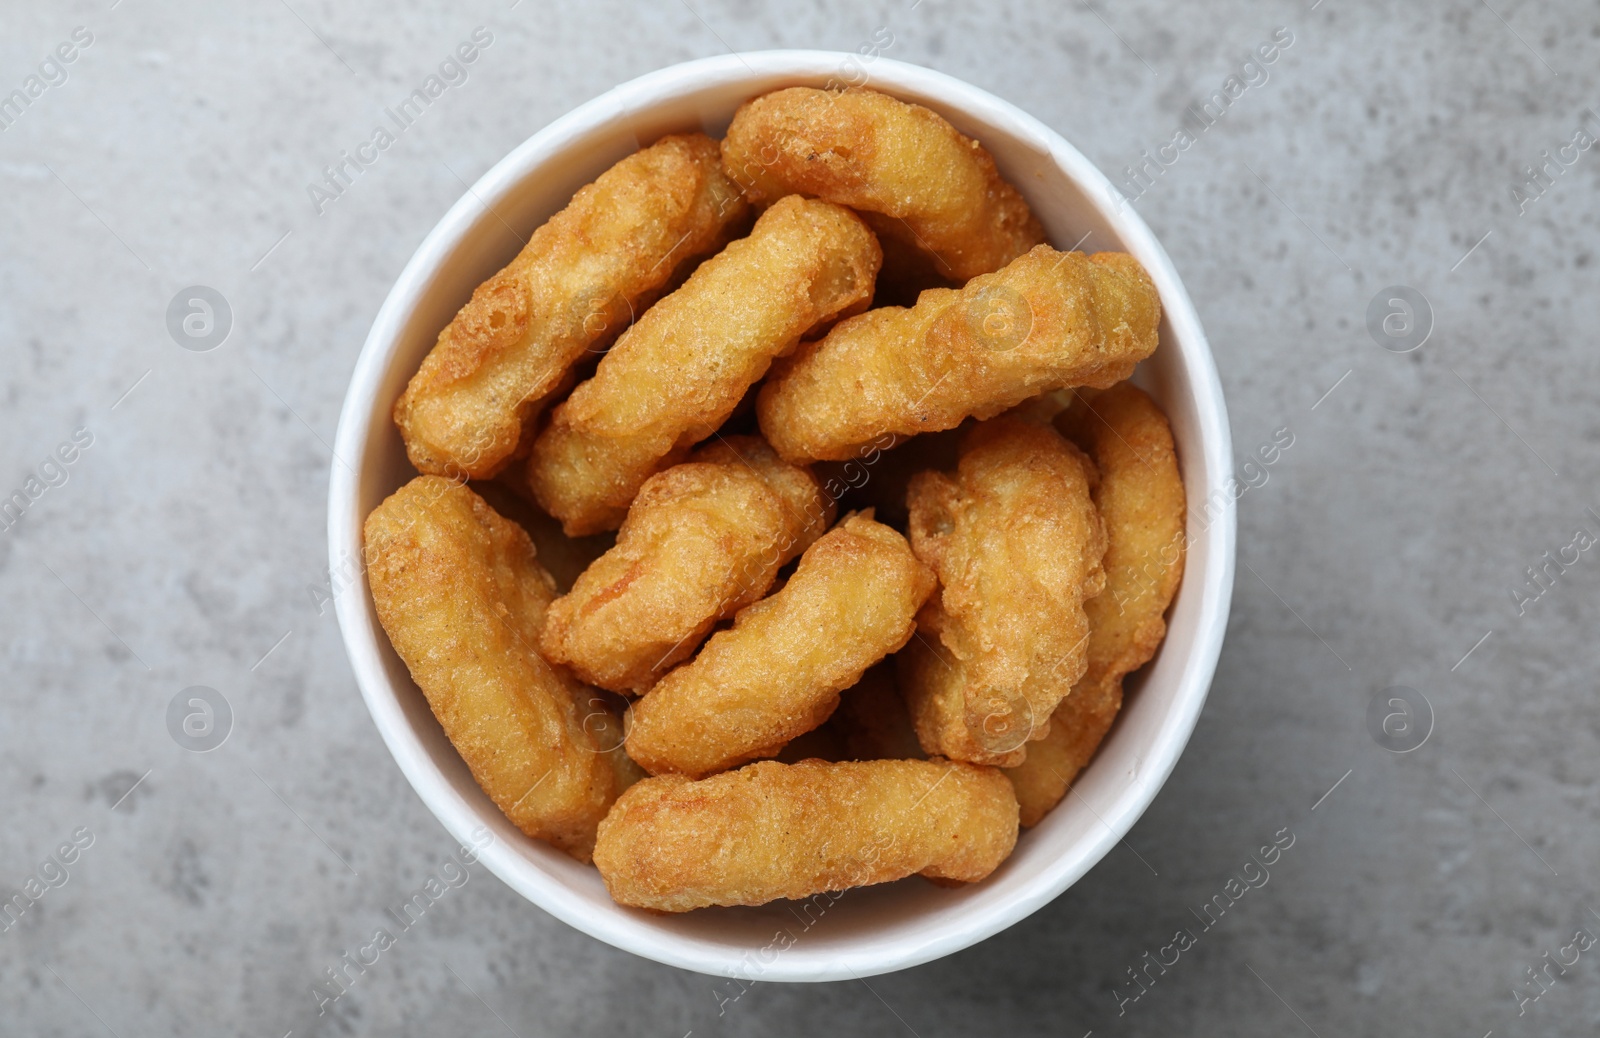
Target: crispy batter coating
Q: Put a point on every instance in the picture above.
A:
(1049, 320)
(796, 485)
(779, 670)
(702, 540)
(579, 281)
(1016, 543)
(677, 374)
(919, 182)
(773, 830)
(462, 597)
(1141, 499)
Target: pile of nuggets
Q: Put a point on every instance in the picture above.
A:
(877, 574)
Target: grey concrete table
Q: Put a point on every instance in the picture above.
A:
(1428, 527)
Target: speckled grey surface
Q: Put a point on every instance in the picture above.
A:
(1383, 145)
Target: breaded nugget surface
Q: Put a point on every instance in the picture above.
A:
(809, 507)
(462, 597)
(1049, 320)
(580, 280)
(1141, 500)
(702, 540)
(779, 670)
(1016, 543)
(677, 374)
(925, 185)
(773, 830)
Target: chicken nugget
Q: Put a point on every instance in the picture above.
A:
(677, 374)
(463, 597)
(702, 540)
(1016, 543)
(579, 281)
(1141, 500)
(796, 485)
(917, 180)
(773, 830)
(779, 670)
(1049, 320)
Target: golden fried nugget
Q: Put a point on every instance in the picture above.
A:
(779, 670)
(1016, 543)
(1141, 500)
(919, 182)
(677, 374)
(1049, 320)
(796, 485)
(462, 597)
(774, 830)
(872, 719)
(582, 277)
(701, 541)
